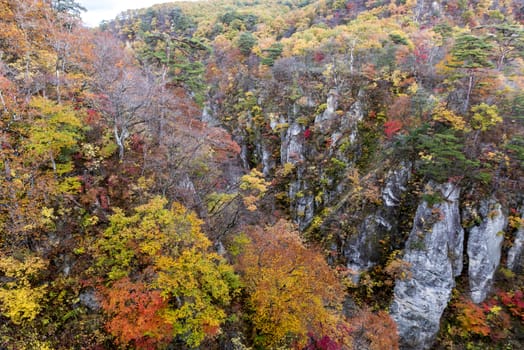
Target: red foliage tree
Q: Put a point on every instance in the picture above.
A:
(136, 315)
(319, 56)
(514, 301)
(307, 133)
(392, 127)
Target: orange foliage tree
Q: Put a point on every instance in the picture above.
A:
(291, 289)
(471, 318)
(137, 315)
(374, 331)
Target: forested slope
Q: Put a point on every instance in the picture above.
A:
(262, 174)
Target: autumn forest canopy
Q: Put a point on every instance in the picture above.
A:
(263, 174)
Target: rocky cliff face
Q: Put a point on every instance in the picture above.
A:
(321, 139)
(484, 249)
(434, 251)
(362, 251)
(292, 151)
(297, 148)
(515, 260)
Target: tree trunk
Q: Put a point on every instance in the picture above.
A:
(351, 57)
(53, 163)
(470, 88)
(58, 99)
(120, 138)
(500, 63)
(3, 101)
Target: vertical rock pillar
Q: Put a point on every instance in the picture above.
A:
(434, 251)
(484, 250)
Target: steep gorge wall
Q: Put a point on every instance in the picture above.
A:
(515, 260)
(434, 252)
(317, 147)
(362, 251)
(436, 244)
(485, 248)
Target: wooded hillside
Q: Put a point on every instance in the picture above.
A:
(313, 174)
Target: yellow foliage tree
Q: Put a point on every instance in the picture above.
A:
(19, 299)
(168, 248)
(484, 117)
(254, 187)
(444, 115)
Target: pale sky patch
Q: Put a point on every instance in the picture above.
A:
(99, 10)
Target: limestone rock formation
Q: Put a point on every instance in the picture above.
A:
(516, 252)
(362, 251)
(434, 251)
(484, 249)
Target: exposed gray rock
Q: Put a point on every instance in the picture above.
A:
(348, 123)
(302, 202)
(484, 249)
(186, 187)
(353, 117)
(305, 209)
(268, 163)
(434, 251)
(363, 250)
(515, 254)
(208, 116)
(324, 121)
(292, 144)
(395, 185)
(88, 299)
(335, 137)
(244, 152)
(220, 249)
(425, 9)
